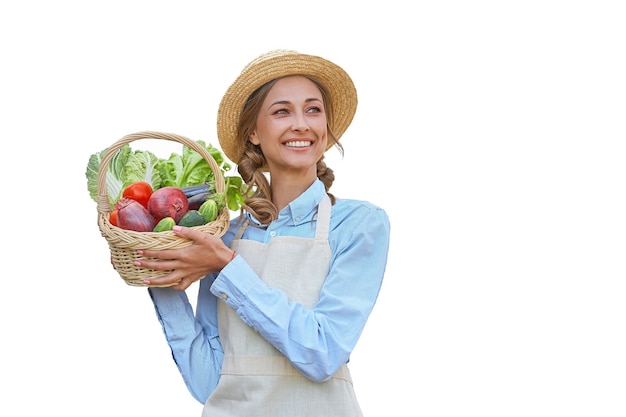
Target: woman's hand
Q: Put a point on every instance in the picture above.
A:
(206, 254)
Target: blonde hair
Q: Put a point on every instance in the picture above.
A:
(252, 165)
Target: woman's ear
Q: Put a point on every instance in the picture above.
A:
(253, 138)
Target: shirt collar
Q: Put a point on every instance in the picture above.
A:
(303, 207)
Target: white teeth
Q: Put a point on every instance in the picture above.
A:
(298, 144)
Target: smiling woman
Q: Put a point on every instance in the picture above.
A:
(504, 121)
(291, 132)
(285, 294)
(294, 108)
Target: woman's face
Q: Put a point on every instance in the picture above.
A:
(291, 126)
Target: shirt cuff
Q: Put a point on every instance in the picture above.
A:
(234, 282)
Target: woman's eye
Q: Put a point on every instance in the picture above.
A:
(281, 111)
(314, 110)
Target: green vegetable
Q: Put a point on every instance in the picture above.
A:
(126, 166)
(192, 218)
(166, 223)
(142, 166)
(208, 209)
(235, 192)
(179, 170)
(190, 168)
(114, 181)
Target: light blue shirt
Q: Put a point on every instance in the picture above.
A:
(317, 341)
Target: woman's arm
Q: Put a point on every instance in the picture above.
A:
(319, 340)
(196, 349)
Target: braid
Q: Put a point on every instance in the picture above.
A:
(257, 201)
(327, 176)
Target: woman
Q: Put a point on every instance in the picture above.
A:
(286, 292)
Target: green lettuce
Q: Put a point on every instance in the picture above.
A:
(114, 175)
(126, 166)
(190, 168)
(179, 170)
(235, 191)
(142, 166)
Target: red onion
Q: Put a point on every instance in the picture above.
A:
(131, 215)
(168, 202)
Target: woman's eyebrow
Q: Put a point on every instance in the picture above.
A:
(308, 100)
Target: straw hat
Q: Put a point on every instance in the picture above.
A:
(276, 64)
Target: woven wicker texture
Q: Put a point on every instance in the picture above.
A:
(125, 243)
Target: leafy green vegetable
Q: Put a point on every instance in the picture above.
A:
(190, 168)
(142, 166)
(126, 166)
(179, 170)
(114, 180)
(235, 191)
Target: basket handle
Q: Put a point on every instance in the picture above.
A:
(104, 206)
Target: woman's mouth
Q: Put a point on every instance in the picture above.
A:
(298, 144)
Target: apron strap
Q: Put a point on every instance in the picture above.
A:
(323, 218)
(323, 221)
(241, 229)
(270, 366)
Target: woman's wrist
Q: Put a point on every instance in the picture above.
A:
(230, 258)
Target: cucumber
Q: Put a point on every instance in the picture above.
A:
(164, 225)
(208, 210)
(192, 218)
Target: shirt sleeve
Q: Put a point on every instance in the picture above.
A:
(195, 344)
(318, 341)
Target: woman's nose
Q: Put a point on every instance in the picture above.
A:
(300, 122)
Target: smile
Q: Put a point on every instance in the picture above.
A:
(298, 144)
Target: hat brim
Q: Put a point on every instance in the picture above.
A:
(277, 64)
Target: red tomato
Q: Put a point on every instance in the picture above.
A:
(113, 217)
(139, 191)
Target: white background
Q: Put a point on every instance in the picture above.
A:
(492, 132)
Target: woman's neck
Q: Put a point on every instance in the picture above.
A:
(287, 189)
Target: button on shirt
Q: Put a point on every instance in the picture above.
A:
(321, 338)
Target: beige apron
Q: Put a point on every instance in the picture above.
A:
(257, 380)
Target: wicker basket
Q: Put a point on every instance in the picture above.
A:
(125, 243)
